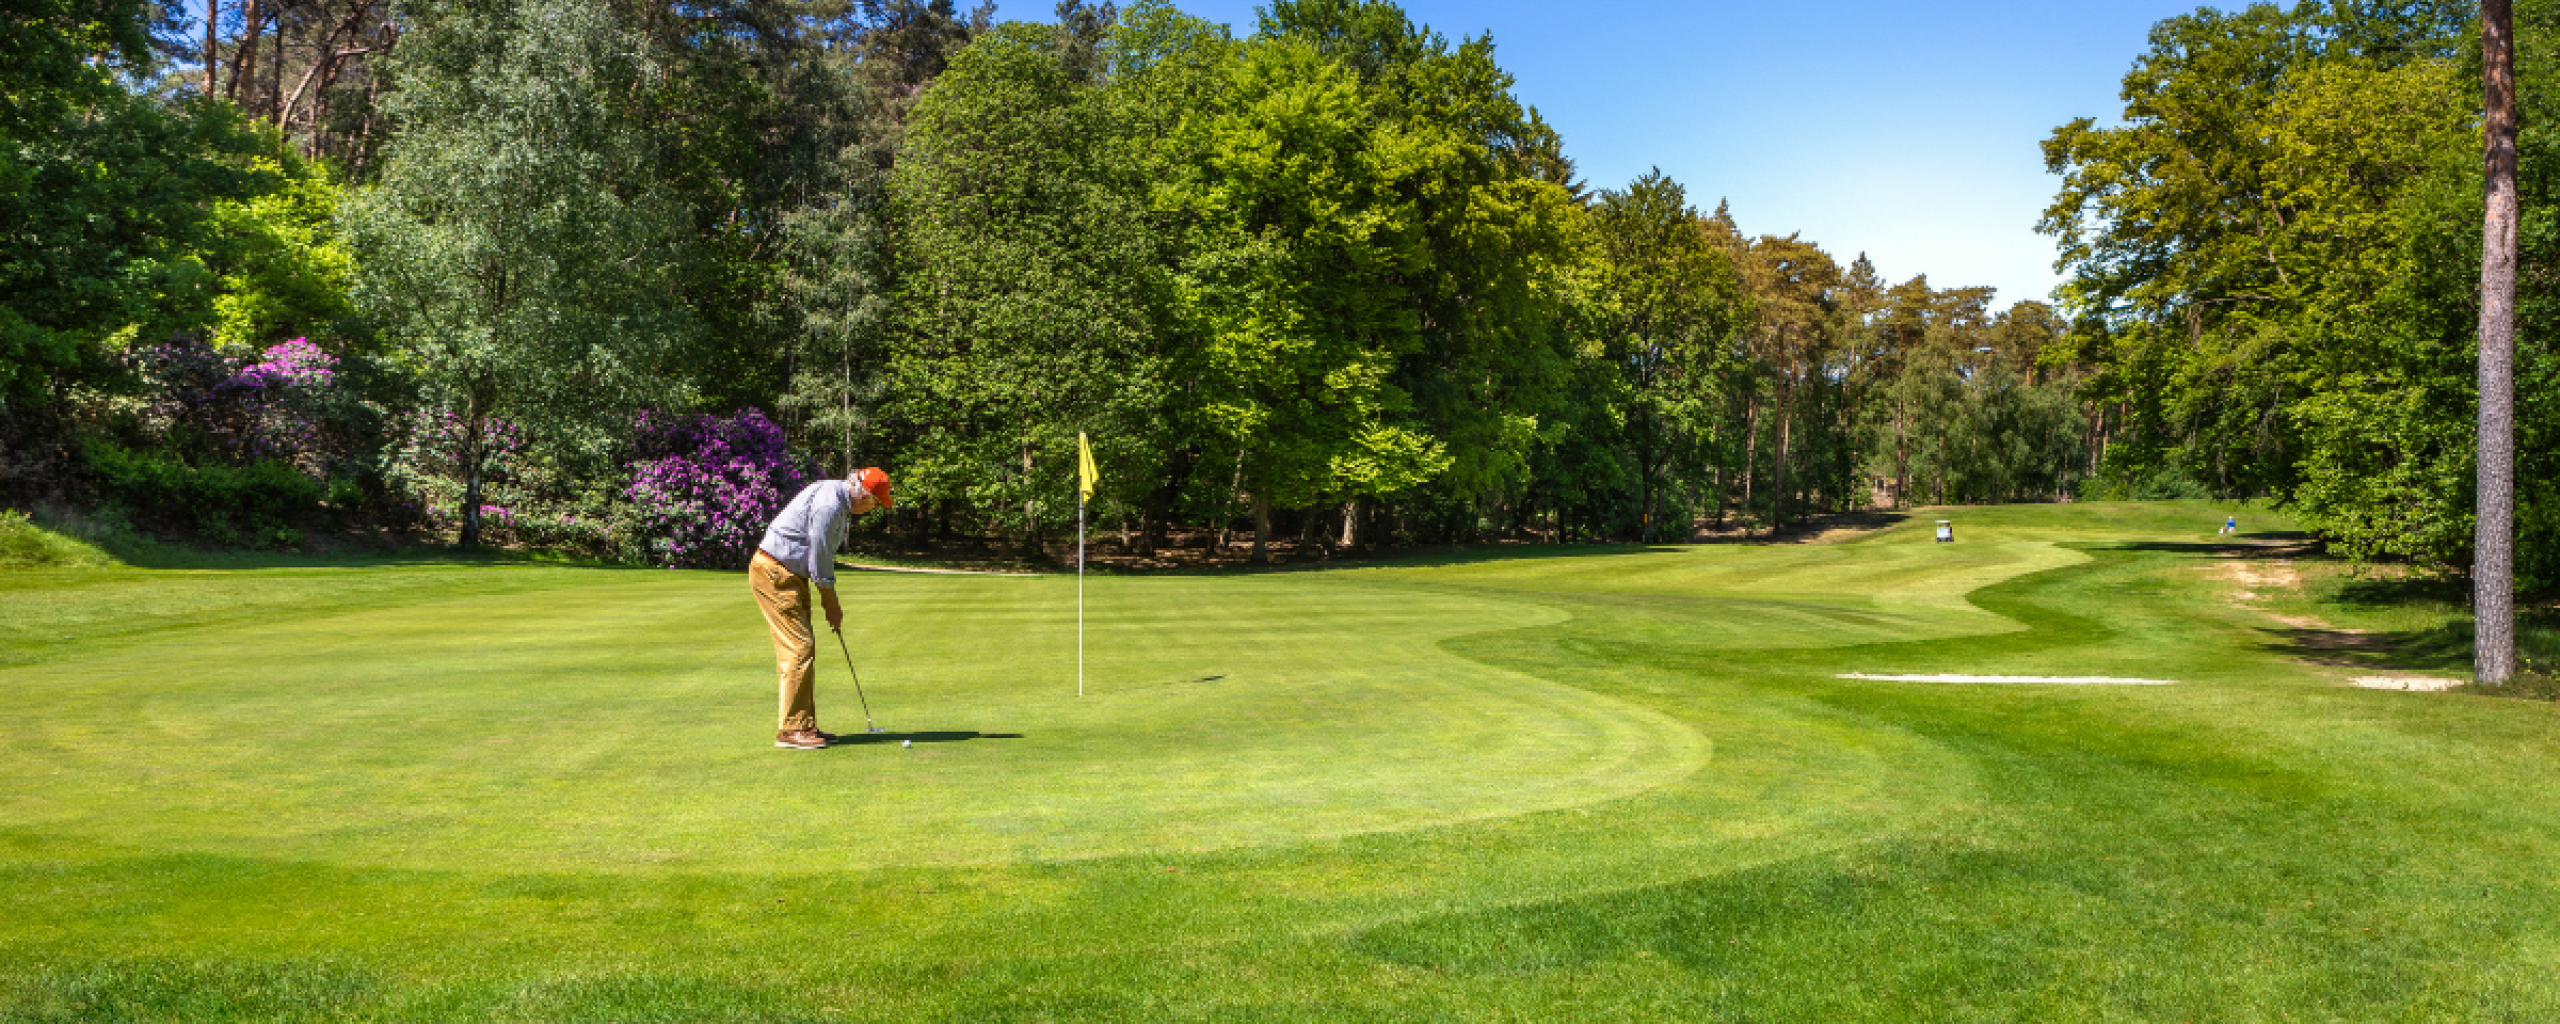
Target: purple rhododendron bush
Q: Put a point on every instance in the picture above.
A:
(704, 487)
(233, 447)
(690, 490)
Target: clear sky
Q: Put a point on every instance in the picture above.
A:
(1906, 130)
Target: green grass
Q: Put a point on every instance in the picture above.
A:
(24, 544)
(1577, 784)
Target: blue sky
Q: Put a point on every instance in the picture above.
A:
(1907, 130)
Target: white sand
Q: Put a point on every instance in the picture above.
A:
(2427, 683)
(2061, 680)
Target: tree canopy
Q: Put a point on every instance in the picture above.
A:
(1332, 281)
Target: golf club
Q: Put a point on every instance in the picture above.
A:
(868, 724)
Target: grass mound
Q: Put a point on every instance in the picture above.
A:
(26, 545)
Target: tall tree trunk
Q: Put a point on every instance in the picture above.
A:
(1156, 517)
(2493, 597)
(275, 75)
(244, 62)
(212, 40)
(1351, 524)
(1778, 483)
(1901, 454)
(1261, 528)
(1030, 506)
(474, 438)
(1750, 450)
(1226, 510)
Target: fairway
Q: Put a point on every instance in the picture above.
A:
(1534, 784)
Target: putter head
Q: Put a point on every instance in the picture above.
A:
(878, 729)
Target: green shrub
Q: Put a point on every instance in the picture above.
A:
(264, 503)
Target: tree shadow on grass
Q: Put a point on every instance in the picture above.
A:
(1814, 529)
(2449, 591)
(136, 552)
(859, 739)
(1418, 558)
(2267, 544)
(2445, 648)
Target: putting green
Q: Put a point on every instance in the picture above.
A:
(589, 720)
(527, 728)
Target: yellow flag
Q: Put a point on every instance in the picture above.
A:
(1085, 473)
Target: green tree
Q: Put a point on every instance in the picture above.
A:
(1666, 315)
(2262, 274)
(1034, 283)
(1304, 229)
(104, 197)
(1491, 203)
(283, 269)
(518, 249)
(1798, 325)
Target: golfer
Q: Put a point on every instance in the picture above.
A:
(800, 549)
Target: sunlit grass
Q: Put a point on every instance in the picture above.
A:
(1603, 784)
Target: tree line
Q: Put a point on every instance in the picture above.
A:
(1329, 281)
(2275, 269)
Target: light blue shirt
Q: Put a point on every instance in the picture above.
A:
(804, 538)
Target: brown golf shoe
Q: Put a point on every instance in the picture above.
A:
(801, 739)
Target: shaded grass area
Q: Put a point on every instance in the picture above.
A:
(2253, 844)
(25, 544)
(2390, 618)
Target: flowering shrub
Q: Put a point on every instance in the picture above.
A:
(704, 487)
(429, 462)
(286, 392)
(237, 448)
(186, 374)
(561, 529)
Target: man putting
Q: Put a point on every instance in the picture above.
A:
(800, 549)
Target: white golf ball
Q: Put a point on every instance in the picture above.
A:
(906, 743)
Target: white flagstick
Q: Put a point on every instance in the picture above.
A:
(1079, 595)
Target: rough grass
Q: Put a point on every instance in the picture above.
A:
(24, 544)
(1601, 785)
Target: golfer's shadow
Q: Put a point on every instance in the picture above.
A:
(956, 736)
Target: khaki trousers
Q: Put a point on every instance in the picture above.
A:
(783, 595)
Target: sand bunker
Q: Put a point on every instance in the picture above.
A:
(2062, 680)
(2427, 683)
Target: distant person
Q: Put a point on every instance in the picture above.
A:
(2231, 524)
(800, 549)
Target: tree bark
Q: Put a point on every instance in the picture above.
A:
(1750, 454)
(275, 75)
(244, 62)
(2493, 562)
(1030, 507)
(212, 56)
(474, 435)
(1778, 484)
(1261, 528)
(1901, 456)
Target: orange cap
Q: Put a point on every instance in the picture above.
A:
(873, 480)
